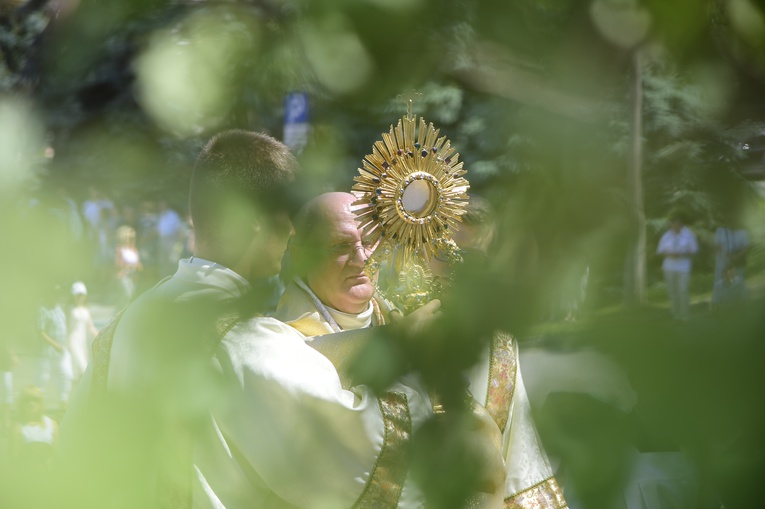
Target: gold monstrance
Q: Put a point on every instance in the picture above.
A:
(411, 196)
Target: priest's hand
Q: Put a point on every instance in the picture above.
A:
(485, 440)
(457, 456)
(418, 320)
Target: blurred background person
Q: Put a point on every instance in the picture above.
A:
(169, 232)
(35, 434)
(34, 439)
(99, 213)
(91, 210)
(148, 244)
(56, 361)
(81, 330)
(8, 362)
(730, 289)
(731, 248)
(64, 209)
(128, 263)
(678, 246)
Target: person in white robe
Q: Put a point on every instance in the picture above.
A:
(194, 400)
(82, 331)
(335, 295)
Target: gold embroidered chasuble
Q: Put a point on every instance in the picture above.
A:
(302, 310)
(496, 383)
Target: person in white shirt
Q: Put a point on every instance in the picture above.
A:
(678, 246)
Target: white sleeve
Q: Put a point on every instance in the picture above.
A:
(310, 442)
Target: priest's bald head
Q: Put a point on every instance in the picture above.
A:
(240, 196)
(328, 253)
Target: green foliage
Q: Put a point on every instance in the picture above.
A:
(531, 93)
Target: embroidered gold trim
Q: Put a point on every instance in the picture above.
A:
(544, 495)
(386, 482)
(503, 368)
(378, 312)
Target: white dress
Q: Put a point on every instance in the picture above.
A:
(81, 333)
(39, 433)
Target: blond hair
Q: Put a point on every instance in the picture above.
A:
(125, 235)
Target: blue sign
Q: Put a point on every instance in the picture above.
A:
(296, 108)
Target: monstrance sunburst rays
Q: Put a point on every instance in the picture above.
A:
(411, 196)
(404, 156)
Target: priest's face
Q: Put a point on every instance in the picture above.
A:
(338, 280)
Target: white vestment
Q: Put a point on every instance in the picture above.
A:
(495, 383)
(277, 429)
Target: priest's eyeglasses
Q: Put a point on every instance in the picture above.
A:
(348, 249)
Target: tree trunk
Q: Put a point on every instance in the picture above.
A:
(634, 276)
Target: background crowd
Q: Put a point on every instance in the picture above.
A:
(126, 246)
(124, 250)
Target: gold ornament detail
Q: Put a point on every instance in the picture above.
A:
(411, 196)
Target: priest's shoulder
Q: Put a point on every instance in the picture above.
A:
(265, 327)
